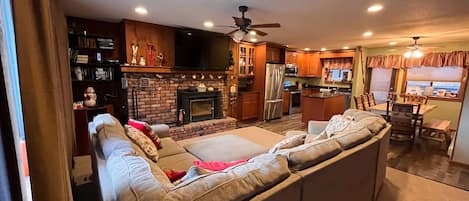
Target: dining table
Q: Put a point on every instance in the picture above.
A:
(381, 109)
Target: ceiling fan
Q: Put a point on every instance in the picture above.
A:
(415, 49)
(244, 26)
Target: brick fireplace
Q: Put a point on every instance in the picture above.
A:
(157, 101)
(196, 106)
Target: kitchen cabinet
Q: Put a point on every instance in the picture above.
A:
(248, 103)
(291, 57)
(309, 65)
(275, 55)
(246, 59)
(286, 102)
(321, 107)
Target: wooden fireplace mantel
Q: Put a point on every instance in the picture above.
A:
(164, 69)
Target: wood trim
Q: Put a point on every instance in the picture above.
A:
(460, 114)
(458, 163)
(259, 76)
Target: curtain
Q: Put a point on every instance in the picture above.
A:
(387, 61)
(439, 59)
(338, 63)
(41, 37)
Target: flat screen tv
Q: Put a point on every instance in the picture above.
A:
(201, 50)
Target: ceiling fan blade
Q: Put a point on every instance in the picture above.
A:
(260, 33)
(271, 25)
(232, 32)
(238, 21)
(230, 26)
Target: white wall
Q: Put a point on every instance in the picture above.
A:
(461, 149)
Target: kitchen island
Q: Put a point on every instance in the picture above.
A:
(321, 106)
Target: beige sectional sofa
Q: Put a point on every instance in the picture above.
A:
(344, 169)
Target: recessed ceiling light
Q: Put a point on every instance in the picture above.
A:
(208, 24)
(368, 34)
(306, 49)
(375, 8)
(323, 49)
(346, 47)
(252, 33)
(253, 40)
(189, 33)
(141, 10)
(393, 43)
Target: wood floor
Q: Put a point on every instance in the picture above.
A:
(423, 158)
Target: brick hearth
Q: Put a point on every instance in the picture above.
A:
(157, 102)
(196, 129)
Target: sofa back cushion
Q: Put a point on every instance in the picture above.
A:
(111, 134)
(352, 136)
(235, 183)
(135, 179)
(310, 154)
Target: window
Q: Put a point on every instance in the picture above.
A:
(443, 82)
(381, 83)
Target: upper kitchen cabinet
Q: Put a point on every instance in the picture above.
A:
(309, 64)
(291, 57)
(275, 54)
(246, 59)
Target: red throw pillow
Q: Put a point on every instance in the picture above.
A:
(216, 166)
(174, 175)
(146, 129)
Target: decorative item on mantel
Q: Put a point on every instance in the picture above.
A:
(142, 61)
(90, 97)
(162, 59)
(134, 54)
(159, 76)
(150, 55)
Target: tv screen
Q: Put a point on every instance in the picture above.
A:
(201, 50)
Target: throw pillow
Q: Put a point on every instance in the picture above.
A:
(174, 175)
(146, 129)
(217, 165)
(290, 142)
(337, 124)
(143, 142)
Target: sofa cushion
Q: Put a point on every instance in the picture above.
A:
(310, 154)
(133, 178)
(170, 147)
(225, 148)
(358, 115)
(181, 161)
(111, 134)
(373, 123)
(310, 138)
(352, 136)
(236, 183)
(145, 144)
(289, 142)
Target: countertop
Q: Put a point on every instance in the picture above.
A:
(322, 95)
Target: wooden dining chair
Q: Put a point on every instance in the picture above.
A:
(371, 99)
(359, 102)
(366, 102)
(403, 121)
(415, 99)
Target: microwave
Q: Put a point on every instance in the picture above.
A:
(291, 70)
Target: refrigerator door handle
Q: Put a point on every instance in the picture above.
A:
(274, 101)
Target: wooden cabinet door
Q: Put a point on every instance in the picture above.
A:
(302, 64)
(291, 58)
(248, 103)
(286, 102)
(314, 65)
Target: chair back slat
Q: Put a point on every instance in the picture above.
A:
(371, 99)
(366, 103)
(358, 102)
(415, 99)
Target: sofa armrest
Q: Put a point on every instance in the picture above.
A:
(162, 130)
(316, 127)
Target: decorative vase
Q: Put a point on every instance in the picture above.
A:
(142, 61)
(150, 55)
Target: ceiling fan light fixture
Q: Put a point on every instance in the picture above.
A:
(413, 54)
(238, 36)
(408, 54)
(252, 33)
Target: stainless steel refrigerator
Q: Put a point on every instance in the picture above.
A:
(274, 77)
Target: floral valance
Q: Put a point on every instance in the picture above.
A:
(338, 63)
(434, 59)
(387, 61)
